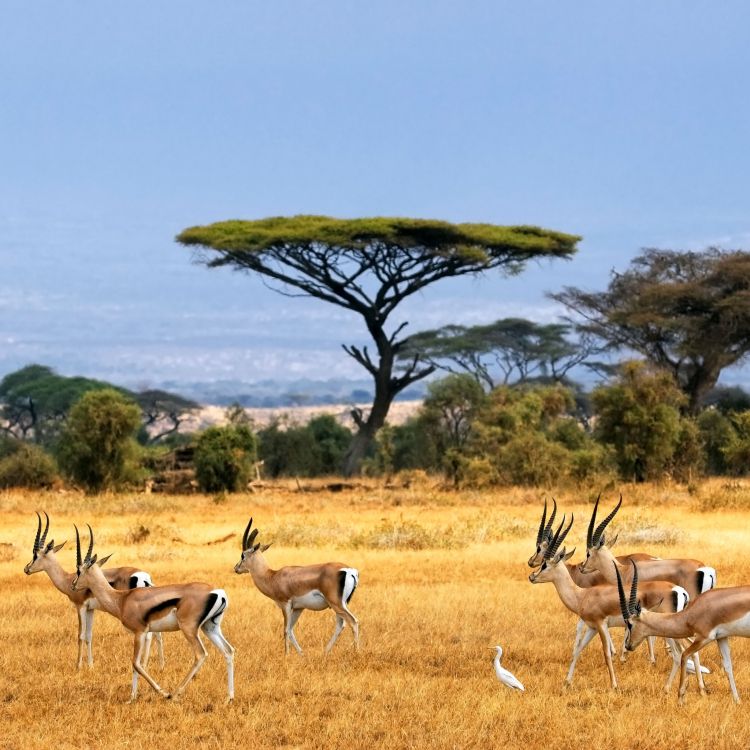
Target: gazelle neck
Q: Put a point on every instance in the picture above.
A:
(261, 573)
(109, 599)
(567, 589)
(57, 575)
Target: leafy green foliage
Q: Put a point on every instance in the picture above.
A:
(224, 458)
(639, 416)
(688, 313)
(27, 466)
(97, 448)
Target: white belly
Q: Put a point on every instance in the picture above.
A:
(168, 622)
(739, 627)
(311, 600)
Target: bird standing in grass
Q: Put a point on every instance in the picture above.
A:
(503, 674)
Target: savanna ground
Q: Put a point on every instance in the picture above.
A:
(443, 577)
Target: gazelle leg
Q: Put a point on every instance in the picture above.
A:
(160, 645)
(577, 649)
(692, 649)
(138, 647)
(726, 660)
(81, 635)
(623, 657)
(292, 616)
(675, 651)
(580, 630)
(283, 609)
(147, 649)
(651, 654)
(89, 636)
(200, 656)
(343, 611)
(214, 634)
(340, 624)
(601, 628)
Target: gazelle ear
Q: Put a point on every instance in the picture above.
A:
(93, 560)
(50, 545)
(265, 547)
(58, 547)
(104, 559)
(602, 541)
(613, 542)
(570, 554)
(256, 547)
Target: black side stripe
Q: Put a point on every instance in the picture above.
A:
(166, 604)
(342, 584)
(209, 606)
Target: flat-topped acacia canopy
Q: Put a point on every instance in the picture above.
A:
(369, 266)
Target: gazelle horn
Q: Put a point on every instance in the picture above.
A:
(38, 532)
(621, 592)
(603, 525)
(43, 540)
(91, 544)
(551, 546)
(548, 529)
(561, 538)
(633, 603)
(590, 532)
(539, 534)
(244, 536)
(78, 547)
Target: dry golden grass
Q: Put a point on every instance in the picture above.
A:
(443, 577)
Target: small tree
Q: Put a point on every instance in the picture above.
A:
(639, 416)
(27, 466)
(224, 458)
(98, 444)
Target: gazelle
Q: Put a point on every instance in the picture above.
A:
(714, 616)
(44, 558)
(296, 588)
(693, 575)
(599, 606)
(585, 580)
(188, 607)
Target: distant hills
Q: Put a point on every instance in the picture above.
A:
(283, 393)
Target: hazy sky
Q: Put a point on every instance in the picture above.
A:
(122, 124)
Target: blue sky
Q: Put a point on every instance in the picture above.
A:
(625, 123)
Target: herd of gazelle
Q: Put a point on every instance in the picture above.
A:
(673, 599)
(144, 609)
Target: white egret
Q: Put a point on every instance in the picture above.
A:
(503, 674)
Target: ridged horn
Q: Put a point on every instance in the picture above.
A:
(91, 544)
(78, 547)
(561, 537)
(539, 534)
(590, 532)
(244, 536)
(633, 603)
(43, 540)
(39, 532)
(603, 525)
(551, 546)
(621, 592)
(548, 529)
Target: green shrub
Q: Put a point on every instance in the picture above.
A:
(97, 448)
(27, 466)
(224, 458)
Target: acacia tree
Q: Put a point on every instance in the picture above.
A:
(510, 350)
(369, 266)
(687, 312)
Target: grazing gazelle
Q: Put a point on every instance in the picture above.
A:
(714, 616)
(599, 606)
(585, 580)
(189, 607)
(45, 559)
(296, 588)
(693, 575)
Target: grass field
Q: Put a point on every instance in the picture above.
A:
(442, 577)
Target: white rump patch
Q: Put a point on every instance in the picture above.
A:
(709, 578)
(682, 598)
(350, 583)
(143, 579)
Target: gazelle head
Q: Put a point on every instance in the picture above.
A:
(250, 551)
(85, 564)
(544, 535)
(635, 629)
(597, 551)
(43, 552)
(553, 555)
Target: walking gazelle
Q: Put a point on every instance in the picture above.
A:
(44, 558)
(297, 588)
(188, 607)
